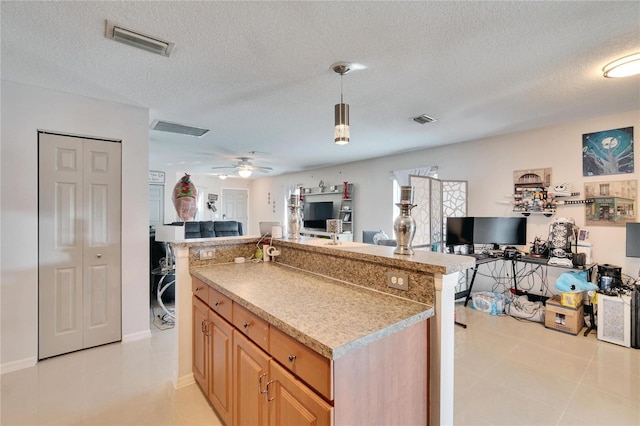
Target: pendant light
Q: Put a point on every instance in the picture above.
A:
(341, 130)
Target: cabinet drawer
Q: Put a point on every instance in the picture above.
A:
(220, 303)
(200, 289)
(251, 326)
(307, 364)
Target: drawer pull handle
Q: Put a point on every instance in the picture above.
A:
(198, 288)
(262, 376)
(217, 303)
(292, 358)
(267, 390)
(246, 325)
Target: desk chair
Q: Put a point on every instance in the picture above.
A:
(367, 236)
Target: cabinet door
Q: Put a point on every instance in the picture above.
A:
(250, 368)
(220, 335)
(291, 402)
(199, 321)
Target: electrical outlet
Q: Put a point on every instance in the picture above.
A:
(206, 254)
(399, 280)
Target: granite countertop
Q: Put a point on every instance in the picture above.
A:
(331, 317)
(422, 260)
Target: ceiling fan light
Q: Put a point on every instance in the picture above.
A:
(623, 67)
(341, 131)
(245, 173)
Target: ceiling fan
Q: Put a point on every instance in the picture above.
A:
(245, 167)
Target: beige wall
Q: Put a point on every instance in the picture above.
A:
(488, 165)
(26, 109)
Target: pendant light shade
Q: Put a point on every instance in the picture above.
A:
(341, 130)
(341, 133)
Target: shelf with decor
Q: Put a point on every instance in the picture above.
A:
(343, 208)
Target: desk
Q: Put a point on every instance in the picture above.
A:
(467, 293)
(534, 261)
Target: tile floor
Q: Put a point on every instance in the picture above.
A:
(117, 384)
(508, 372)
(515, 372)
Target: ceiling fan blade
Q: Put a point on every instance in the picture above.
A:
(262, 169)
(224, 167)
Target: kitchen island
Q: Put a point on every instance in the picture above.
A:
(431, 277)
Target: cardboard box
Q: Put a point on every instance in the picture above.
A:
(571, 300)
(562, 318)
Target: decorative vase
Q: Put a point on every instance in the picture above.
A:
(185, 198)
(405, 225)
(295, 219)
(334, 227)
(345, 193)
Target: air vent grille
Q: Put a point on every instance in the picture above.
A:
(137, 39)
(423, 119)
(165, 126)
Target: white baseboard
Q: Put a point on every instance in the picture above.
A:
(8, 367)
(140, 335)
(184, 381)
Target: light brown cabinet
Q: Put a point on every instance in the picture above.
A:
(255, 374)
(250, 376)
(212, 357)
(293, 403)
(244, 383)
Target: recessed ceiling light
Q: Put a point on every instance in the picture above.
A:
(137, 39)
(423, 119)
(165, 126)
(623, 67)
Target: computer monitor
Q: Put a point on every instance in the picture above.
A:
(459, 231)
(633, 239)
(500, 231)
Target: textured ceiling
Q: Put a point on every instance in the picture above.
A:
(258, 73)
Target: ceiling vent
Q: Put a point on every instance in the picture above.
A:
(137, 39)
(423, 119)
(165, 126)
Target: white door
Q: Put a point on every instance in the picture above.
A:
(234, 206)
(156, 205)
(78, 243)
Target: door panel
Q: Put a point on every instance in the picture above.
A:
(66, 315)
(156, 205)
(234, 206)
(102, 224)
(250, 364)
(60, 246)
(293, 403)
(78, 243)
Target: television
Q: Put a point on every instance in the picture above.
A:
(500, 231)
(459, 231)
(315, 215)
(633, 239)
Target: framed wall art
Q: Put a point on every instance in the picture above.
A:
(608, 152)
(614, 203)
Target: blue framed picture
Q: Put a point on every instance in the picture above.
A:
(609, 152)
